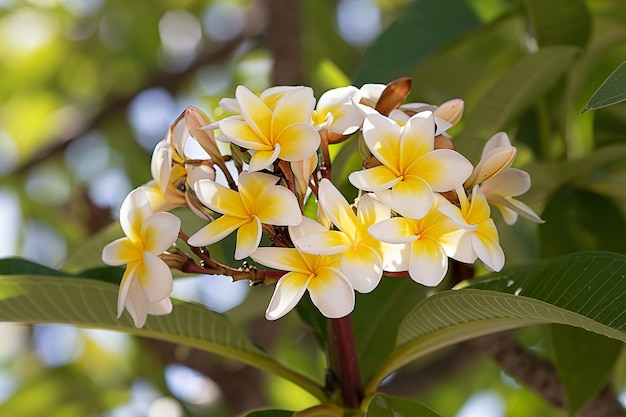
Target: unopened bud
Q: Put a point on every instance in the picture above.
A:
(393, 95)
(302, 171)
(496, 161)
(443, 142)
(196, 119)
(451, 111)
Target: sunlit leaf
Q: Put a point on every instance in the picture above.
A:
(559, 22)
(516, 89)
(422, 28)
(91, 304)
(586, 290)
(612, 91)
(584, 361)
(386, 406)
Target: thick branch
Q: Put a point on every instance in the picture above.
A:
(285, 42)
(541, 376)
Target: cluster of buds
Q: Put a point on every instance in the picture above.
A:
(419, 202)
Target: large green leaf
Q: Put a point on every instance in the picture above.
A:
(586, 290)
(584, 361)
(516, 89)
(579, 220)
(559, 22)
(90, 303)
(386, 406)
(423, 28)
(612, 90)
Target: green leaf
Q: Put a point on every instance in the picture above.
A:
(559, 22)
(586, 290)
(516, 89)
(584, 361)
(19, 266)
(423, 28)
(579, 220)
(386, 406)
(612, 91)
(89, 254)
(91, 304)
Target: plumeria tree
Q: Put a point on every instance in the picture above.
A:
(397, 236)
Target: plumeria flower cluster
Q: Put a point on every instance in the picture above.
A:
(419, 202)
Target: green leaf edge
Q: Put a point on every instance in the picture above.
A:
(595, 103)
(102, 296)
(474, 325)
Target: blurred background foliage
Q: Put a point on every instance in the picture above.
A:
(88, 87)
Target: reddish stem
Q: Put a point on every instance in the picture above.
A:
(344, 357)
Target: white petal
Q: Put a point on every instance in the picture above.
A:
(155, 277)
(160, 308)
(428, 264)
(137, 304)
(488, 251)
(133, 213)
(289, 290)
(363, 268)
(159, 232)
(129, 276)
(394, 230)
(332, 293)
(395, 256)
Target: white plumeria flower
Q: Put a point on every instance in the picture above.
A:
(276, 125)
(258, 201)
(336, 112)
(147, 281)
(480, 238)
(162, 190)
(497, 156)
(361, 254)
(431, 240)
(412, 170)
(330, 290)
(500, 190)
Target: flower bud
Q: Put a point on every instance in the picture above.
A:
(393, 95)
(302, 171)
(196, 119)
(451, 111)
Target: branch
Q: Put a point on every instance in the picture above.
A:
(540, 376)
(112, 106)
(284, 41)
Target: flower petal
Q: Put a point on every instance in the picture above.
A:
(155, 277)
(363, 267)
(160, 165)
(382, 137)
(278, 206)
(159, 232)
(120, 252)
(488, 251)
(130, 275)
(510, 183)
(337, 208)
(160, 308)
(137, 304)
(255, 112)
(295, 106)
(298, 141)
(443, 169)
(418, 138)
(328, 242)
(264, 159)
(289, 290)
(217, 230)
(374, 179)
(220, 199)
(284, 259)
(331, 293)
(428, 264)
(240, 133)
(248, 238)
(394, 230)
(133, 213)
(412, 197)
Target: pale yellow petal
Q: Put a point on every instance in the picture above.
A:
(289, 290)
(155, 277)
(337, 208)
(374, 179)
(443, 169)
(323, 243)
(120, 252)
(240, 133)
(363, 267)
(248, 238)
(252, 185)
(295, 106)
(331, 293)
(254, 111)
(264, 159)
(395, 230)
(417, 139)
(284, 259)
(220, 199)
(159, 232)
(428, 264)
(382, 137)
(278, 206)
(216, 230)
(298, 141)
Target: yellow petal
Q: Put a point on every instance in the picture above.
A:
(278, 206)
(221, 199)
(155, 277)
(298, 141)
(240, 133)
(159, 232)
(295, 106)
(337, 208)
(428, 264)
(120, 252)
(216, 230)
(256, 114)
(284, 259)
(331, 293)
(374, 179)
(264, 159)
(289, 290)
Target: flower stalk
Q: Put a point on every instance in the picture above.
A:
(344, 361)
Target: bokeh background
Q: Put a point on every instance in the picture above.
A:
(88, 87)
